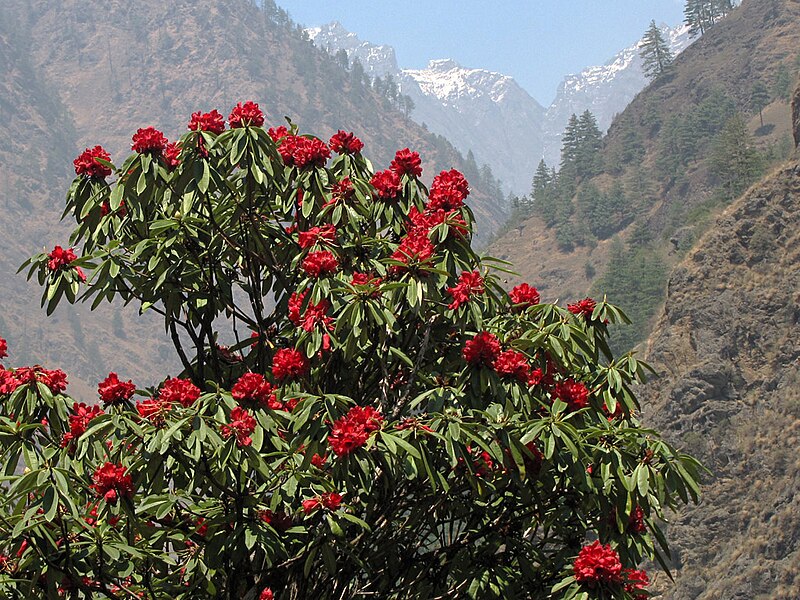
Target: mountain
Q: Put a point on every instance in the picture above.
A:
(726, 353)
(662, 172)
(78, 73)
(605, 90)
(489, 113)
(480, 111)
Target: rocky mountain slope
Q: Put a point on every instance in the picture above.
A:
(671, 197)
(726, 352)
(75, 74)
(489, 113)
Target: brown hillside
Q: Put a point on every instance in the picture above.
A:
(75, 74)
(726, 352)
(751, 44)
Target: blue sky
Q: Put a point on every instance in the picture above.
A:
(535, 41)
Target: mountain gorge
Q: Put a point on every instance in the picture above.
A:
(488, 113)
(77, 74)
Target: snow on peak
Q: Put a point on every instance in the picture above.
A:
(448, 81)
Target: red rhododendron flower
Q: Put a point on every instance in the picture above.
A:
(535, 377)
(114, 391)
(149, 140)
(253, 388)
(266, 594)
(318, 264)
(316, 235)
(87, 165)
(213, 122)
(154, 410)
(415, 247)
(412, 423)
(61, 259)
(277, 133)
(448, 191)
(512, 364)
(288, 364)
(314, 314)
(55, 380)
(8, 382)
(431, 218)
(246, 114)
(329, 500)
(351, 431)
(482, 350)
(585, 308)
(573, 393)
(406, 162)
(79, 421)
(3, 348)
(636, 522)
(386, 184)
(345, 143)
(523, 296)
(112, 481)
(636, 582)
(469, 284)
(299, 151)
(241, 426)
(319, 460)
(341, 191)
(370, 283)
(172, 155)
(597, 563)
(180, 391)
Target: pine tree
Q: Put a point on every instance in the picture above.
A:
(759, 98)
(570, 142)
(734, 158)
(655, 52)
(541, 180)
(590, 141)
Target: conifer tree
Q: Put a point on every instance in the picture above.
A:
(655, 52)
(759, 98)
(590, 141)
(570, 141)
(541, 180)
(734, 158)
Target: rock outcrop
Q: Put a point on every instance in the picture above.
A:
(727, 354)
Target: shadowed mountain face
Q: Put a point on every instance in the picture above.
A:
(76, 74)
(728, 361)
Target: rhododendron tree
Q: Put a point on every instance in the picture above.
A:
(362, 410)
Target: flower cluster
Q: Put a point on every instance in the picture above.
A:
(244, 114)
(386, 184)
(241, 426)
(212, 122)
(277, 133)
(583, 308)
(341, 191)
(3, 348)
(343, 142)
(448, 191)
(179, 391)
(112, 481)
(512, 364)
(406, 162)
(149, 140)
(289, 364)
(60, 259)
(470, 283)
(315, 314)
(597, 563)
(316, 235)
(351, 431)
(482, 350)
(415, 248)
(172, 154)
(298, 151)
(369, 285)
(524, 296)
(114, 391)
(253, 389)
(635, 583)
(55, 380)
(79, 421)
(573, 393)
(87, 165)
(329, 500)
(320, 263)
